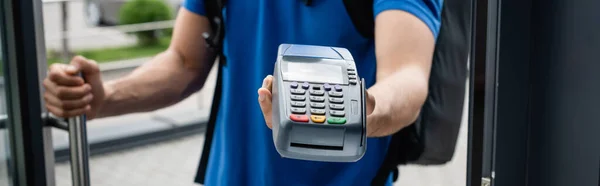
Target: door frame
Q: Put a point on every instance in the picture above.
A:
(500, 109)
(511, 124)
(32, 155)
(478, 91)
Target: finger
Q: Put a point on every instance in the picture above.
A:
(370, 103)
(89, 68)
(69, 113)
(91, 73)
(67, 104)
(48, 84)
(58, 73)
(71, 93)
(268, 83)
(264, 99)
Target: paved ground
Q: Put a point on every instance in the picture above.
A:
(169, 163)
(174, 163)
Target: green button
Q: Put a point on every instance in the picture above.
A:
(336, 120)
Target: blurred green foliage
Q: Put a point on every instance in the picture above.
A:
(110, 54)
(118, 53)
(143, 11)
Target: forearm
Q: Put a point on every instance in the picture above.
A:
(398, 101)
(404, 48)
(163, 81)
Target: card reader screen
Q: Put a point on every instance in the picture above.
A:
(314, 72)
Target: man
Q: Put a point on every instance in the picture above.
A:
(396, 67)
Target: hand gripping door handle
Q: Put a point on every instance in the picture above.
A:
(79, 148)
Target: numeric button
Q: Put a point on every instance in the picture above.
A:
(317, 99)
(298, 91)
(337, 113)
(336, 107)
(298, 98)
(351, 73)
(336, 100)
(298, 110)
(317, 105)
(317, 111)
(352, 77)
(352, 81)
(316, 92)
(298, 104)
(335, 94)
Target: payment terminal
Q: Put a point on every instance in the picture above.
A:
(319, 109)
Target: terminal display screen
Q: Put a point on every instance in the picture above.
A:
(314, 72)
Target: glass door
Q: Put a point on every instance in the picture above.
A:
(6, 170)
(23, 151)
(26, 151)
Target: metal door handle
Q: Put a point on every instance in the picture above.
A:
(79, 148)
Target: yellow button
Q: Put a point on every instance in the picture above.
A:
(317, 119)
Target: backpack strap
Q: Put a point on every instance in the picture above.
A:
(214, 42)
(361, 17)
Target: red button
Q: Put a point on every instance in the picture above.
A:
(299, 118)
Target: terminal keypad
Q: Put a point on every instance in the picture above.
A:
(325, 103)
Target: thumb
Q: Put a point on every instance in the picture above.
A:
(85, 66)
(89, 70)
(91, 74)
(370, 103)
(264, 100)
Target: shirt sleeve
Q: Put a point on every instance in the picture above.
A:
(195, 6)
(428, 11)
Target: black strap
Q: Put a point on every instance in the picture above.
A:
(362, 17)
(214, 43)
(200, 175)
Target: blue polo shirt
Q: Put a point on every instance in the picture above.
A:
(243, 152)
